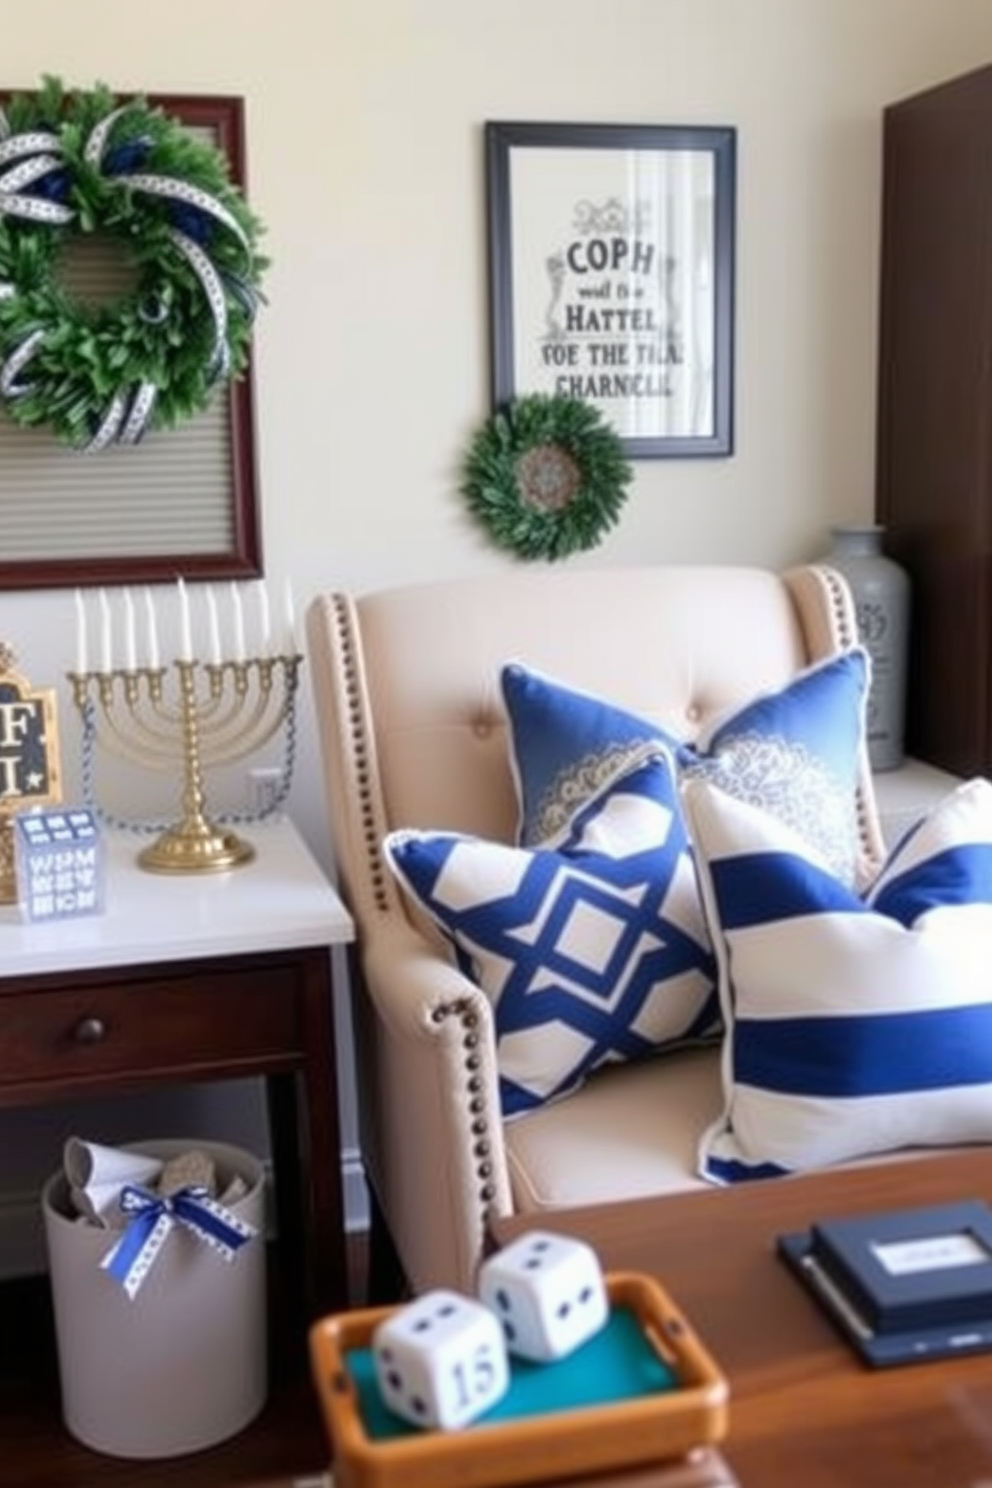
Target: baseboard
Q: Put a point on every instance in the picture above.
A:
(22, 1235)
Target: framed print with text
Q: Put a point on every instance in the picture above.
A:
(611, 276)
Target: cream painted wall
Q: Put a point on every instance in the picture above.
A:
(365, 163)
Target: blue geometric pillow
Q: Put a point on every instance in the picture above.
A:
(855, 1024)
(796, 751)
(591, 949)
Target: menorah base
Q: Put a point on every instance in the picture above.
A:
(195, 847)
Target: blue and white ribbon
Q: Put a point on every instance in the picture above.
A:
(15, 363)
(26, 172)
(131, 1259)
(27, 159)
(109, 426)
(39, 153)
(35, 208)
(125, 418)
(210, 283)
(139, 413)
(172, 189)
(96, 140)
(35, 142)
(247, 296)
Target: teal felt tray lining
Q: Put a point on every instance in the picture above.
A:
(617, 1364)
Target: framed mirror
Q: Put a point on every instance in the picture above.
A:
(183, 500)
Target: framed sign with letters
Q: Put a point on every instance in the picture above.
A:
(611, 276)
(30, 773)
(30, 769)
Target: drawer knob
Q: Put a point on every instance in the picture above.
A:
(90, 1030)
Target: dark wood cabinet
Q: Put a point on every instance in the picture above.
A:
(74, 1034)
(934, 452)
(198, 977)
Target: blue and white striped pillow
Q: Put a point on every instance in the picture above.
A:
(855, 1024)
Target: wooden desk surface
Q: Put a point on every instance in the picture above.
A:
(708, 1471)
(805, 1412)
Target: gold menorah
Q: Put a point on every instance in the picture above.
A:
(220, 713)
(201, 714)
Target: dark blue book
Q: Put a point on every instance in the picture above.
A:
(904, 1284)
(911, 1268)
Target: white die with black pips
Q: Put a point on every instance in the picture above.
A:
(441, 1360)
(548, 1292)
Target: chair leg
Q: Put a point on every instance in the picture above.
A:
(387, 1283)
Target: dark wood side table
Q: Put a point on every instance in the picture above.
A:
(196, 977)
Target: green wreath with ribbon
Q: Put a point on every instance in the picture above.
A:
(546, 475)
(85, 163)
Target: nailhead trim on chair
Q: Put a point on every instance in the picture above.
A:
(371, 831)
(482, 1147)
(840, 608)
(848, 637)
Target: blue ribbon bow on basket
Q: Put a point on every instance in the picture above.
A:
(131, 1259)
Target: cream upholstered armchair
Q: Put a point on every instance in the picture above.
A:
(414, 735)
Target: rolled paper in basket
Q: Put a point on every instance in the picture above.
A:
(131, 1259)
(97, 1174)
(100, 1203)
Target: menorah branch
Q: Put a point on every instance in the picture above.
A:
(210, 715)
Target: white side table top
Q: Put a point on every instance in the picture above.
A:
(281, 900)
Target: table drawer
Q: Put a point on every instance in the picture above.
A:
(156, 1022)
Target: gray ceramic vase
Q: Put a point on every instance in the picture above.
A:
(881, 591)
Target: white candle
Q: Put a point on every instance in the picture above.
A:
(130, 643)
(185, 633)
(264, 619)
(214, 626)
(152, 625)
(80, 633)
(106, 649)
(239, 624)
(290, 621)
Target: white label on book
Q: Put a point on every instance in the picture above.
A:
(931, 1253)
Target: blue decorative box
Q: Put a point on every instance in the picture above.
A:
(61, 872)
(904, 1285)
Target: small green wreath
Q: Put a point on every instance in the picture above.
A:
(546, 475)
(74, 164)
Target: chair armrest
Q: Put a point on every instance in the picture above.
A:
(414, 984)
(426, 1049)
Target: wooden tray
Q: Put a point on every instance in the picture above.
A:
(644, 1390)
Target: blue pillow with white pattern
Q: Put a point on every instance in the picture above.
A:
(592, 949)
(856, 1024)
(797, 751)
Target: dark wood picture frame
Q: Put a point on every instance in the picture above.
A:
(611, 275)
(223, 118)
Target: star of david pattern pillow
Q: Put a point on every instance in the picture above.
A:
(592, 949)
(856, 1024)
(796, 751)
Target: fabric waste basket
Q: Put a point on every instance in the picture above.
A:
(184, 1364)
